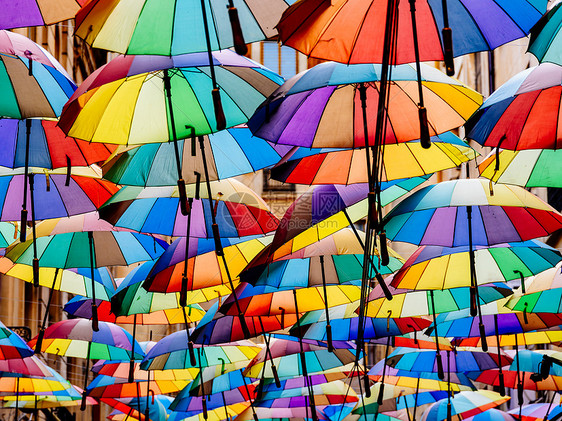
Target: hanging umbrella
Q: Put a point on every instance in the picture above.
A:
(155, 408)
(48, 145)
(464, 405)
(33, 13)
(526, 168)
(183, 402)
(308, 109)
(39, 91)
(156, 210)
(28, 366)
(537, 412)
(319, 213)
(517, 215)
(232, 152)
(63, 398)
(218, 414)
(12, 345)
(522, 113)
(436, 267)
(171, 353)
(460, 361)
(403, 160)
(110, 387)
(96, 109)
(216, 384)
(204, 269)
(119, 28)
(545, 34)
(539, 293)
(525, 339)
(351, 31)
(492, 414)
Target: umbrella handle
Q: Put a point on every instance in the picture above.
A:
(329, 338)
(192, 359)
(84, 400)
(381, 393)
(449, 411)
(35, 272)
(95, 319)
(425, 139)
(440, 371)
(219, 112)
(237, 35)
(184, 207)
(23, 224)
(448, 50)
(520, 393)
(204, 403)
(502, 384)
(275, 376)
(483, 339)
(385, 258)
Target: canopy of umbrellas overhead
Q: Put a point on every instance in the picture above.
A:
(278, 319)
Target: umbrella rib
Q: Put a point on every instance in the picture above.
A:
(359, 28)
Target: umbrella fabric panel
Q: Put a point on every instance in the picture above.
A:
(36, 13)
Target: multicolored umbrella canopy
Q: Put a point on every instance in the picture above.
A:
(408, 303)
(204, 268)
(352, 31)
(42, 94)
(536, 412)
(527, 168)
(184, 402)
(52, 197)
(59, 398)
(460, 361)
(229, 153)
(321, 212)
(97, 111)
(12, 346)
(287, 358)
(156, 210)
(171, 353)
(436, 215)
(48, 146)
(436, 267)
(465, 404)
(71, 250)
(19, 45)
(545, 37)
(320, 107)
(492, 414)
(76, 338)
(522, 113)
(151, 27)
(9, 233)
(135, 407)
(527, 338)
(36, 13)
(403, 160)
(112, 387)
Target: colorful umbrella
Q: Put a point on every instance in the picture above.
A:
(464, 405)
(430, 215)
(352, 31)
(436, 267)
(171, 353)
(48, 146)
(33, 13)
(410, 159)
(41, 94)
(96, 111)
(231, 153)
(19, 45)
(522, 113)
(544, 43)
(492, 414)
(537, 412)
(12, 345)
(527, 168)
(156, 210)
(9, 234)
(110, 387)
(321, 107)
(118, 27)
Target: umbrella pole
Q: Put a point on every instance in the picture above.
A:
(34, 233)
(474, 294)
(267, 340)
(303, 363)
(381, 389)
(95, 321)
(204, 397)
(250, 397)
(217, 103)
(147, 410)
(85, 391)
(519, 383)
(425, 140)
(416, 399)
(192, 359)
(41, 335)
(227, 418)
(131, 378)
(447, 41)
(326, 307)
(378, 276)
(501, 379)
(17, 397)
(216, 235)
(23, 217)
(545, 418)
(449, 385)
(438, 358)
(237, 36)
(184, 280)
(181, 182)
